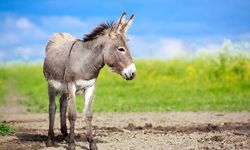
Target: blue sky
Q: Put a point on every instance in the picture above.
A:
(162, 28)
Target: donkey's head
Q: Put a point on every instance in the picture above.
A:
(116, 52)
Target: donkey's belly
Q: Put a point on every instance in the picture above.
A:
(80, 85)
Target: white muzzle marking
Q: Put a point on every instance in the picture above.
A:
(129, 72)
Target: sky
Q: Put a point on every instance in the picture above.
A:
(161, 29)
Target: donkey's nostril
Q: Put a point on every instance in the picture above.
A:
(133, 74)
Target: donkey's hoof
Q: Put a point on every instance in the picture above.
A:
(66, 138)
(93, 146)
(71, 146)
(49, 143)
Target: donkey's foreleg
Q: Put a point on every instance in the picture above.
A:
(89, 98)
(71, 114)
(63, 110)
(52, 111)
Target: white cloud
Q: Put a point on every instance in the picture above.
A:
(153, 47)
(232, 47)
(19, 30)
(32, 52)
(24, 39)
(168, 48)
(24, 23)
(24, 52)
(207, 49)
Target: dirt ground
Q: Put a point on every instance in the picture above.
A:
(132, 131)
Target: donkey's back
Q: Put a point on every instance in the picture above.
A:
(57, 51)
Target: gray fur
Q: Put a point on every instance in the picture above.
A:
(80, 63)
(71, 63)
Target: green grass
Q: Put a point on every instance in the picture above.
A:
(202, 83)
(3, 79)
(6, 129)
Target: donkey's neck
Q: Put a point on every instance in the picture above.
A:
(96, 46)
(94, 60)
(93, 44)
(85, 61)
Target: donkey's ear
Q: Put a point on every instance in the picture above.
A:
(119, 23)
(126, 25)
(123, 18)
(118, 26)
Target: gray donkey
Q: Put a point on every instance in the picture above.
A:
(72, 65)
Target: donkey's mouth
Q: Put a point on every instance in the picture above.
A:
(129, 72)
(128, 76)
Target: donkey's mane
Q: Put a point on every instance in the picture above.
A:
(98, 31)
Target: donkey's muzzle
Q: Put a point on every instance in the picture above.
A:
(129, 72)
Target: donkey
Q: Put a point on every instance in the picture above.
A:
(72, 65)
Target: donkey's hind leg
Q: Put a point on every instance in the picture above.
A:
(63, 110)
(52, 111)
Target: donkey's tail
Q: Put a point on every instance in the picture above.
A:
(59, 38)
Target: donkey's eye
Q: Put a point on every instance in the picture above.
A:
(121, 49)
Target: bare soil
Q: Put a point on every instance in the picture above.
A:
(129, 131)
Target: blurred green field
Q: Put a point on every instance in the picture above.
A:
(202, 83)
